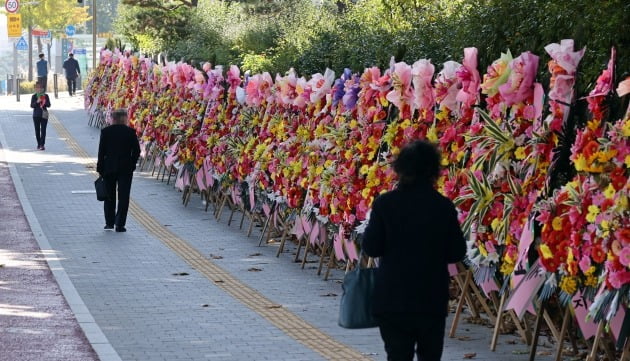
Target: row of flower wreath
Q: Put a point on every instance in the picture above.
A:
(321, 148)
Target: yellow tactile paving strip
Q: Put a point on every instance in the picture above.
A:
(283, 319)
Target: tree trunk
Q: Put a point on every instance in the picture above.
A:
(30, 53)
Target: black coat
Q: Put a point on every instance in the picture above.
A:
(118, 150)
(37, 108)
(71, 65)
(415, 232)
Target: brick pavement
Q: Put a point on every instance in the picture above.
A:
(127, 281)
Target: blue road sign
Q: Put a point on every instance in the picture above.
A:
(21, 44)
(71, 30)
(79, 51)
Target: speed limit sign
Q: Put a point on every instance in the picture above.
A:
(12, 6)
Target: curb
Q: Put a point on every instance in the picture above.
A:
(91, 329)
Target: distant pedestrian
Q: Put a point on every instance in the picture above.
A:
(118, 152)
(40, 102)
(42, 71)
(415, 232)
(71, 66)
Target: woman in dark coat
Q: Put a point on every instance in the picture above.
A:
(40, 102)
(415, 232)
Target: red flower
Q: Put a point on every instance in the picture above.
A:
(590, 149)
(598, 254)
(618, 178)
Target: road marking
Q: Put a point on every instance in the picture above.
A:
(285, 320)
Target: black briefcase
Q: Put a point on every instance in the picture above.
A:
(101, 189)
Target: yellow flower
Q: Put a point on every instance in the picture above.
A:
(520, 153)
(609, 192)
(364, 169)
(556, 223)
(442, 114)
(593, 124)
(546, 252)
(627, 161)
(482, 250)
(495, 223)
(593, 211)
(432, 135)
(568, 284)
(580, 163)
(605, 156)
(365, 193)
(625, 129)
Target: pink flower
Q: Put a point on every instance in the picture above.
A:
(446, 86)
(422, 72)
(519, 86)
(402, 93)
(618, 279)
(469, 77)
(564, 55)
(624, 256)
(585, 263)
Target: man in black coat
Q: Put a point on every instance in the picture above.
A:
(73, 70)
(415, 232)
(118, 152)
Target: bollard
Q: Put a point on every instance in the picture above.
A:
(17, 88)
(56, 86)
(8, 84)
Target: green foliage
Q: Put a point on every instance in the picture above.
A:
(312, 35)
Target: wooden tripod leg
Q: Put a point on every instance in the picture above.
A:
(497, 324)
(233, 209)
(625, 355)
(264, 230)
(242, 219)
(308, 244)
(552, 327)
(471, 305)
(563, 331)
(331, 262)
(321, 258)
(482, 300)
(170, 174)
(220, 209)
(598, 338)
(537, 327)
(460, 304)
(251, 226)
(297, 254)
(522, 328)
(285, 233)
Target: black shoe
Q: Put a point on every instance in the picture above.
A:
(121, 229)
(108, 227)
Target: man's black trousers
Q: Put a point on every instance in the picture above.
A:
(122, 182)
(406, 334)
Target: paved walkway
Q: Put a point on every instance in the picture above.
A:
(179, 285)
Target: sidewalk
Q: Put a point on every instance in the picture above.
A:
(180, 285)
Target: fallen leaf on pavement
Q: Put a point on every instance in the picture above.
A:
(329, 295)
(255, 255)
(464, 338)
(213, 256)
(180, 274)
(275, 306)
(254, 269)
(468, 356)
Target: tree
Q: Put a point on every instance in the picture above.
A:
(53, 15)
